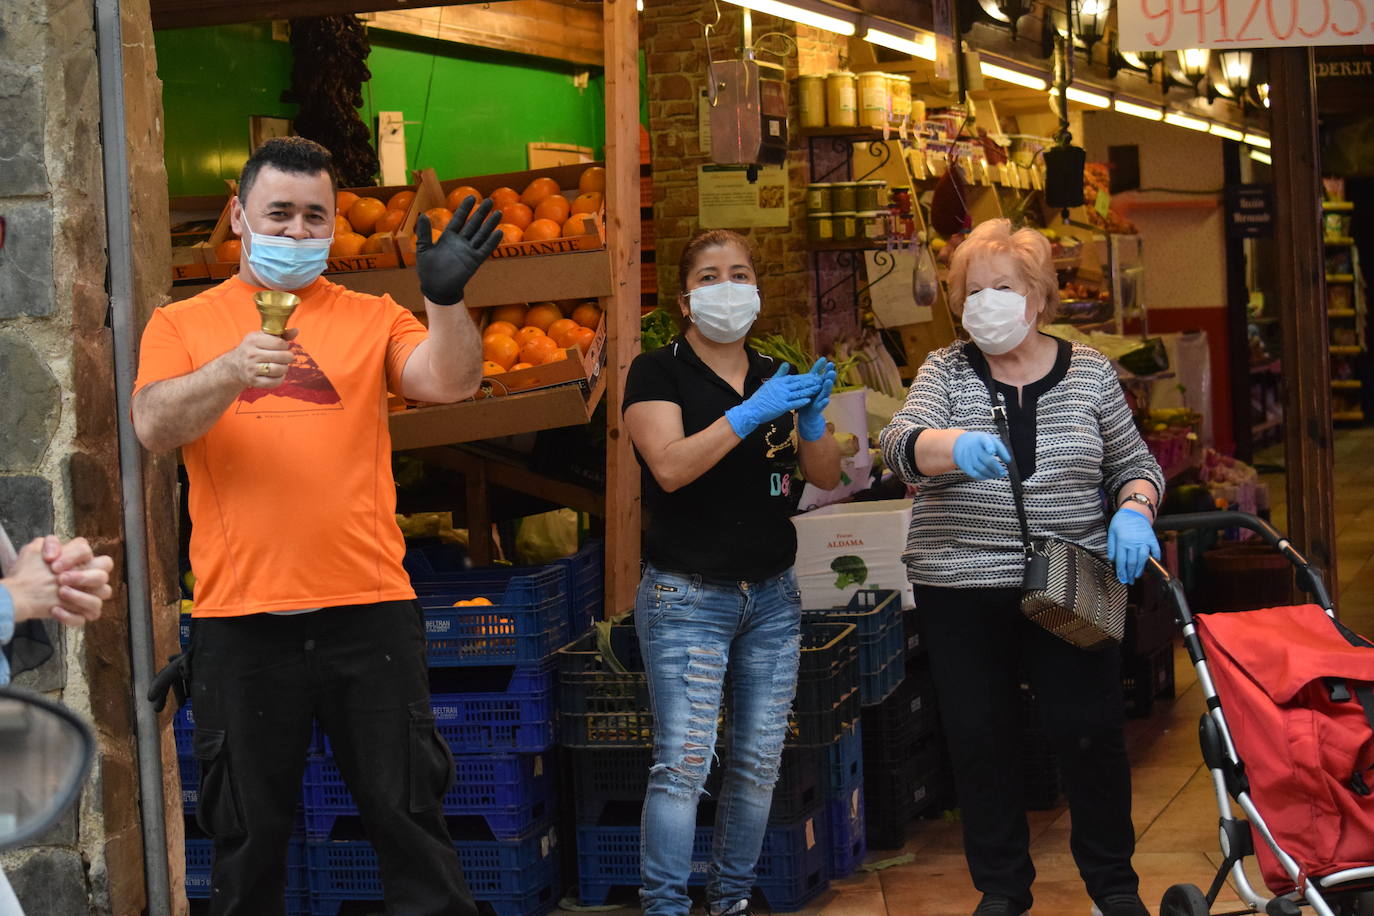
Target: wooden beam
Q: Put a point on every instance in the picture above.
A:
(567, 31)
(1302, 295)
(513, 477)
(621, 24)
(184, 14)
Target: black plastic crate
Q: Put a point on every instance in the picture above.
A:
(876, 615)
(911, 632)
(896, 795)
(609, 785)
(1146, 678)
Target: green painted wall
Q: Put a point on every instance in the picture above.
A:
(477, 109)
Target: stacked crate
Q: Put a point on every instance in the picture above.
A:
(1147, 651)
(607, 729)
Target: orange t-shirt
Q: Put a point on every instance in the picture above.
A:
(292, 499)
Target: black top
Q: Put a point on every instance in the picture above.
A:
(731, 523)
(1020, 411)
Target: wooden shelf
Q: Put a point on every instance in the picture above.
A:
(490, 418)
(1346, 383)
(865, 245)
(1340, 278)
(1341, 241)
(1340, 313)
(1338, 205)
(1346, 349)
(1348, 416)
(866, 133)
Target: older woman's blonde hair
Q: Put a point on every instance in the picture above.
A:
(1029, 250)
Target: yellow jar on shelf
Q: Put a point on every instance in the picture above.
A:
(811, 97)
(820, 227)
(846, 226)
(899, 87)
(873, 108)
(841, 99)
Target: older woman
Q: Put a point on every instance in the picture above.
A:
(1072, 436)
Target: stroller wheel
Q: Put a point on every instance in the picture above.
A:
(1184, 900)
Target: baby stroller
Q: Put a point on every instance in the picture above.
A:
(1288, 736)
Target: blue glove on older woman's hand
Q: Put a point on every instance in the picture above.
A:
(977, 454)
(1130, 542)
(811, 418)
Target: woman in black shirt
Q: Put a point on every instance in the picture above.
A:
(719, 429)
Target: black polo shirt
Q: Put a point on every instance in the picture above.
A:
(733, 522)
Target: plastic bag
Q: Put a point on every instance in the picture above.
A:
(546, 537)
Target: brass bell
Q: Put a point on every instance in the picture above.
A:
(276, 308)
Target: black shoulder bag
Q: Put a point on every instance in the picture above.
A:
(1067, 590)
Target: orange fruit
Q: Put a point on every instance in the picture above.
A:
(556, 355)
(491, 368)
(229, 250)
(541, 230)
(347, 245)
(365, 212)
(510, 234)
(517, 214)
(590, 202)
(401, 200)
(439, 217)
(518, 366)
(554, 207)
(582, 224)
(537, 350)
(592, 179)
(391, 221)
(515, 314)
(566, 306)
(539, 189)
(583, 338)
(543, 315)
(341, 224)
(499, 327)
(504, 197)
(343, 200)
(500, 349)
(462, 193)
(587, 314)
(526, 334)
(559, 328)
(377, 243)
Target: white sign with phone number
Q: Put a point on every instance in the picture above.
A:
(1157, 25)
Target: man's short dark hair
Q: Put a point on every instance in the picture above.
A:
(295, 155)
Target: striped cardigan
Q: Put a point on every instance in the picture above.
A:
(964, 532)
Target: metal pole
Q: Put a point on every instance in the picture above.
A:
(114, 150)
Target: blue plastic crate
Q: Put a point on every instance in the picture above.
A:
(183, 730)
(184, 631)
(502, 710)
(586, 586)
(518, 877)
(877, 618)
(526, 621)
(510, 792)
(793, 867)
(189, 768)
(845, 826)
(200, 855)
(844, 760)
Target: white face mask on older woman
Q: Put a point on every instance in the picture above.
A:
(996, 320)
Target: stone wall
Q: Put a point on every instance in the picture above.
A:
(671, 36)
(59, 460)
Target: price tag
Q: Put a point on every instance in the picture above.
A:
(810, 833)
(1102, 204)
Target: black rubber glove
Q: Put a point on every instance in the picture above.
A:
(447, 265)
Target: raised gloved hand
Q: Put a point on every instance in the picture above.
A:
(775, 397)
(1130, 542)
(977, 454)
(810, 417)
(447, 265)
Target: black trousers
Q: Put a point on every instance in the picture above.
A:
(257, 684)
(979, 645)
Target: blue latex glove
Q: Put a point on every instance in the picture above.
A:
(775, 397)
(977, 454)
(1130, 542)
(811, 419)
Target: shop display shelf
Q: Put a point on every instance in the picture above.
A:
(793, 866)
(516, 877)
(586, 586)
(1347, 383)
(509, 793)
(846, 827)
(604, 701)
(1146, 677)
(526, 621)
(610, 784)
(877, 618)
(1338, 205)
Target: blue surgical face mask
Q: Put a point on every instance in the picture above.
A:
(283, 263)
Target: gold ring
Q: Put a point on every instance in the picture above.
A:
(264, 369)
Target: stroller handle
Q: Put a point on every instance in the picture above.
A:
(1310, 579)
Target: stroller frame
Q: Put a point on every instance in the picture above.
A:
(1227, 769)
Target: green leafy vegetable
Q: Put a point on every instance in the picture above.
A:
(656, 330)
(852, 571)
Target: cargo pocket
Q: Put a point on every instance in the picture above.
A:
(217, 812)
(431, 761)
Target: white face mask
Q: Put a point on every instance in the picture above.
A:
(724, 312)
(996, 320)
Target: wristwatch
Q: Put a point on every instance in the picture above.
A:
(1142, 499)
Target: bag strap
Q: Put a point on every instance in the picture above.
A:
(999, 416)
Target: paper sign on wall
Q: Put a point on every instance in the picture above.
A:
(893, 302)
(1158, 25)
(726, 199)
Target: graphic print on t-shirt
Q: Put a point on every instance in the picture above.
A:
(305, 388)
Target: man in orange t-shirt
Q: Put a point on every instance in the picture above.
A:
(303, 610)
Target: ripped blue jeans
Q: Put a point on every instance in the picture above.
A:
(690, 633)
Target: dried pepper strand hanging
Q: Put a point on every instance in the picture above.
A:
(328, 70)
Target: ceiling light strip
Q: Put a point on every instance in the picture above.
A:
(804, 15)
(1259, 156)
(1007, 75)
(1178, 119)
(1084, 97)
(1227, 133)
(1259, 140)
(924, 49)
(1147, 112)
